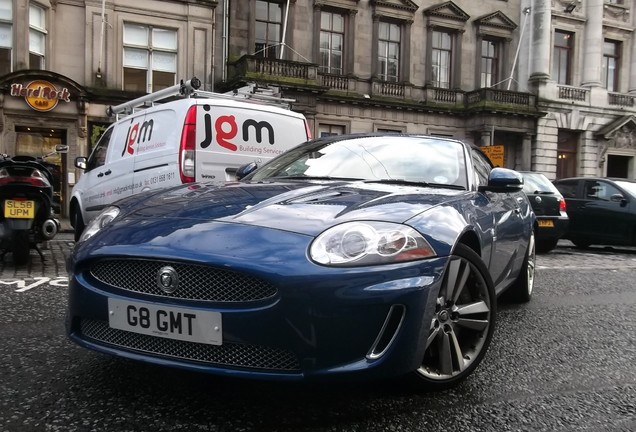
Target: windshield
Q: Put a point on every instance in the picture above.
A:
(372, 158)
(628, 186)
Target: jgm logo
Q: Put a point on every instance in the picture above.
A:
(226, 129)
(137, 133)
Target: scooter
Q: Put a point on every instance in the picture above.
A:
(26, 196)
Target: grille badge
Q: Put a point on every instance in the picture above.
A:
(167, 279)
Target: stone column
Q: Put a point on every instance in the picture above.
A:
(486, 138)
(405, 65)
(593, 43)
(632, 69)
(374, 47)
(350, 44)
(526, 153)
(541, 36)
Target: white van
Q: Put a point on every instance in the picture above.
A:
(181, 141)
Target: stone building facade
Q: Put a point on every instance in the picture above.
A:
(544, 85)
(581, 64)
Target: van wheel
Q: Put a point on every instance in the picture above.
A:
(78, 224)
(21, 248)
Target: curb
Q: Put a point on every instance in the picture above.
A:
(65, 226)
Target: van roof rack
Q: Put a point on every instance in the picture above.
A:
(190, 88)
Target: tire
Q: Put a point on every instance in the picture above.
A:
(546, 245)
(522, 288)
(581, 244)
(78, 224)
(462, 324)
(21, 249)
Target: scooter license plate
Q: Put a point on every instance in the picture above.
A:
(19, 209)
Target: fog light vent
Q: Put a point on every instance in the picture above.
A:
(388, 332)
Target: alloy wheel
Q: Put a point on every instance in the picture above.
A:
(460, 325)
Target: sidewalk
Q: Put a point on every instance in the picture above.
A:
(65, 225)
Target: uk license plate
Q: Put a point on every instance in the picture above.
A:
(546, 223)
(19, 209)
(167, 322)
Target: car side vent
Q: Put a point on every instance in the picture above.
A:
(388, 332)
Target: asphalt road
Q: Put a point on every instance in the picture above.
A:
(563, 362)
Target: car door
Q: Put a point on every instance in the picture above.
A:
(604, 216)
(118, 174)
(508, 211)
(89, 187)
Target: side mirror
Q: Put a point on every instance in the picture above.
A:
(503, 180)
(246, 169)
(80, 162)
(619, 198)
(61, 148)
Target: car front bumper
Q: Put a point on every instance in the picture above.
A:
(370, 321)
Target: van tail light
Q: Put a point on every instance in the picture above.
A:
(188, 146)
(307, 130)
(562, 207)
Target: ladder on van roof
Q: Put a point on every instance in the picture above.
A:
(190, 88)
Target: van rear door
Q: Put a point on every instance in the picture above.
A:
(230, 134)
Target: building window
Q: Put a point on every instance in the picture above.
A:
(611, 64)
(331, 42)
(6, 36)
(442, 53)
(268, 29)
(489, 63)
(37, 37)
(150, 58)
(389, 38)
(566, 154)
(562, 57)
(326, 130)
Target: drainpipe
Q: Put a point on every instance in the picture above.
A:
(225, 41)
(282, 48)
(101, 40)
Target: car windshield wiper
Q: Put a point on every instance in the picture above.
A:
(416, 183)
(307, 177)
(538, 192)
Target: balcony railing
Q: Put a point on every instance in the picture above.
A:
(274, 70)
(620, 99)
(500, 99)
(298, 74)
(444, 95)
(389, 89)
(573, 93)
(334, 82)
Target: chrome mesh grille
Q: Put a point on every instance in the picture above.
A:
(228, 354)
(196, 282)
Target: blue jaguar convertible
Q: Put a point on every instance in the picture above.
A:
(356, 256)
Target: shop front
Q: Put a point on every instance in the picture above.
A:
(39, 110)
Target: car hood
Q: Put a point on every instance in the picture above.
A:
(301, 207)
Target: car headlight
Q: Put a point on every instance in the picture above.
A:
(103, 219)
(369, 243)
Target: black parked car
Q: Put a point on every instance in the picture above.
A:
(601, 210)
(549, 207)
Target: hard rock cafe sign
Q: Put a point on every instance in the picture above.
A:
(40, 95)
